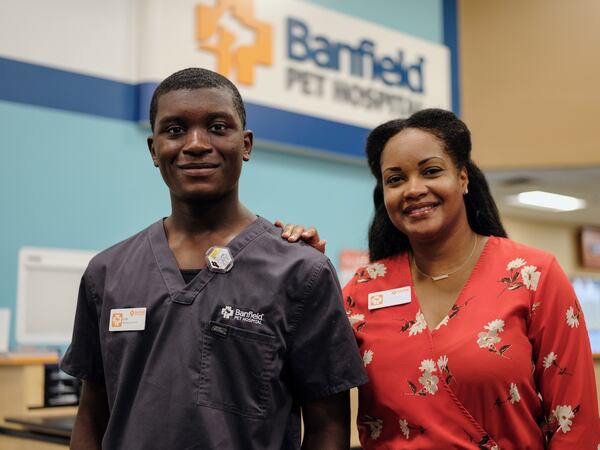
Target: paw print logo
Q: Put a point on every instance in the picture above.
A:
(226, 311)
(117, 320)
(215, 35)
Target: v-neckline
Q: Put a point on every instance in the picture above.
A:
(460, 295)
(179, 291)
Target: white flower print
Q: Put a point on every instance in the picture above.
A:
(443, 322)
(419, 324)
(495, 447)
(375, 426)
(429, 382)
(513, 394)
(427, 365)
(495, 326)
(355, 318)
(515, 264)
(531, 277)
(367, 357)
(404, 428)
(572, 318)
(445, 371)
(376, 270)
(563, 414)
(442, 362)
(549, 360)
(520, 275)
(489, 339)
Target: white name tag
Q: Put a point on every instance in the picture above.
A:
(127, 319)
(392, 297)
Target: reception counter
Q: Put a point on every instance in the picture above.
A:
(24, 421)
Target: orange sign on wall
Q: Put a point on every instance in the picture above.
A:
(230, 55)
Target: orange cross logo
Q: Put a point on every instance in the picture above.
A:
(241, 58)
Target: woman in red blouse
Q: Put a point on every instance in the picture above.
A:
(470, 340)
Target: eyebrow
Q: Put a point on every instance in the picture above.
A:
(426, 160)
(168, 119)
(210, 116)
(420, 163)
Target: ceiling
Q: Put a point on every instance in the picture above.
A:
(583, 183)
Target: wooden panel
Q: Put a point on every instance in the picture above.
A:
(529, 79)
(17, 443)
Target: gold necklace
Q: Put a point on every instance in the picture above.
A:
(446, 275)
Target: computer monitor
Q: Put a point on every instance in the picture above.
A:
(588, 293)
(47, 287)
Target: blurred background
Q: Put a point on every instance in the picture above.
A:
(76, 77)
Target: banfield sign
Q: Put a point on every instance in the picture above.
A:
(296, 57)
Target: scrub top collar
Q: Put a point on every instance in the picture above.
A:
(179, 292)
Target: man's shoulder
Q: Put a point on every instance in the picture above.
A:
(279, 248)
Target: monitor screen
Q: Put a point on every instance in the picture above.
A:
(588, 293)
(47, 287)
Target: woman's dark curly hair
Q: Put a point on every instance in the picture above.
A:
(482, 213)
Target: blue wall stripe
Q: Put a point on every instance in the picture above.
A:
(451, 41)
(304, 131)
(59, 89)
(54, 88)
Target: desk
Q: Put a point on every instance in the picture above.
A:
(22, 399)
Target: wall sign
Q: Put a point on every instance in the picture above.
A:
(319, 77)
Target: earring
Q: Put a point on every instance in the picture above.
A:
(466, 191)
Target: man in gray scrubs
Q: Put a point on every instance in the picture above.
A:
(207, 330)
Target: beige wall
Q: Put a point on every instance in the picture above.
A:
(529, 81)
(557, 238)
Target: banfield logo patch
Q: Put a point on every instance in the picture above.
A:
(215, 36)
(238, 314)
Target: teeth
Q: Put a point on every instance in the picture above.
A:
(418, 210)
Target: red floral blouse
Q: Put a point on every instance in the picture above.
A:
(509, 367)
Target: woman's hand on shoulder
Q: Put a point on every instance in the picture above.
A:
(293, 233)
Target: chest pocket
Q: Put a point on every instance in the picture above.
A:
(236, 370)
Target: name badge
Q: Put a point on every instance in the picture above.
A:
(127, 319)
(392, 297)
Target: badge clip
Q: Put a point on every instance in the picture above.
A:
(219, 259)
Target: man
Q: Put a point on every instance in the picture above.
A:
(207, 330)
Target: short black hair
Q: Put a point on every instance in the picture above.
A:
(196, 78)
(482, 213)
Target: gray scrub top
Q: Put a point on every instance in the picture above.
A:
(225, 361)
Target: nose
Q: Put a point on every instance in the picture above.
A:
(197, 141)
(415, 188)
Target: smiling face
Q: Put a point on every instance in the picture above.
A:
(422, 188)
(199, 143)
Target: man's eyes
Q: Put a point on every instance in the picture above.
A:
(179, 130)
(175, 130)
(218, 127)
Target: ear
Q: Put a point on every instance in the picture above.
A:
(248, 143)
(463, 178)
(150, 142)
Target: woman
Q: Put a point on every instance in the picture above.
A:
(470, 340)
